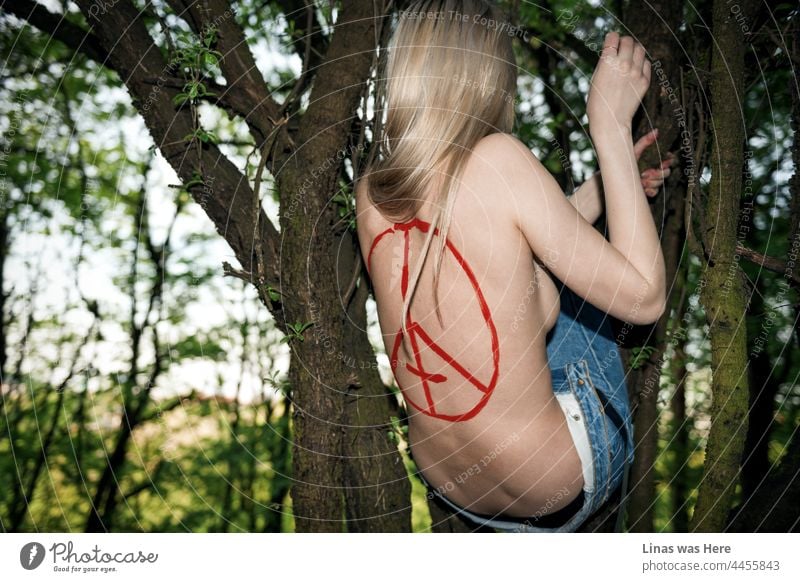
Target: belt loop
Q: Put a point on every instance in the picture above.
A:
(581, 371)
(568, 372)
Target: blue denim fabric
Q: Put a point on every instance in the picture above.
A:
(585, 360)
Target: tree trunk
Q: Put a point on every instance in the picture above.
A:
(680, 434)
(343, 467)
(779, 510)
(23, 495)
(722, 295)
(107, 491)
(385, 487)
(654, 27)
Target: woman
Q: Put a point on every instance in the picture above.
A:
(492, 286)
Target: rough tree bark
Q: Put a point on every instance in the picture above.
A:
(723, 294)
(343, 460)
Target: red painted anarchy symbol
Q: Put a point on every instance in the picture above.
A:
(417, 332)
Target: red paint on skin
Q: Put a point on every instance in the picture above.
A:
(415, 330)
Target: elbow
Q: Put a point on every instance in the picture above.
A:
(654, 310)
(651, 301)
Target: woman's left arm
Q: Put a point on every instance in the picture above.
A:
(587, 198)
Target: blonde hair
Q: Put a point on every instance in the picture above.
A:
(450, 79)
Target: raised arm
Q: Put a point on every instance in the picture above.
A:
(620, 80)
(626, 275)
(570, 247)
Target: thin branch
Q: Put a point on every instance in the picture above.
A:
(770, 263)
(223, 195)
(351, 286)
(311, 54)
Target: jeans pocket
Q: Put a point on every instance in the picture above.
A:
(599, 429)
(619, 414)
(618, 433)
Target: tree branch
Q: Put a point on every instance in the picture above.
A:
(309, 44)
(58, 27)
(769, 263)
(224, 194)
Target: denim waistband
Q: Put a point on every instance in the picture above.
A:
(554, 520)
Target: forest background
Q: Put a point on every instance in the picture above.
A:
(187, 336)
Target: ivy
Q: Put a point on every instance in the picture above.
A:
(640, 356)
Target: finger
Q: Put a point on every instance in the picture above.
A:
(656, 174)
(638, 57)
(646, 69)
(625, 52)
(652, 179)
(645, 142)
(611, 45)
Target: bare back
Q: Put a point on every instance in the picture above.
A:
(484, 426)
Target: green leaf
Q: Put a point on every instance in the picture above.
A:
(273, 294)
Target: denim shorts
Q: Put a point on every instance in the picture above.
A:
(589, 383)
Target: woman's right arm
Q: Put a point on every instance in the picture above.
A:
(625, 276)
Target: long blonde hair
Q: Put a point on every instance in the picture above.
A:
(449, 79)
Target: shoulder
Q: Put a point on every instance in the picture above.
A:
(500, 145)
(500, 142)
(507, 154)
(516, 174)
